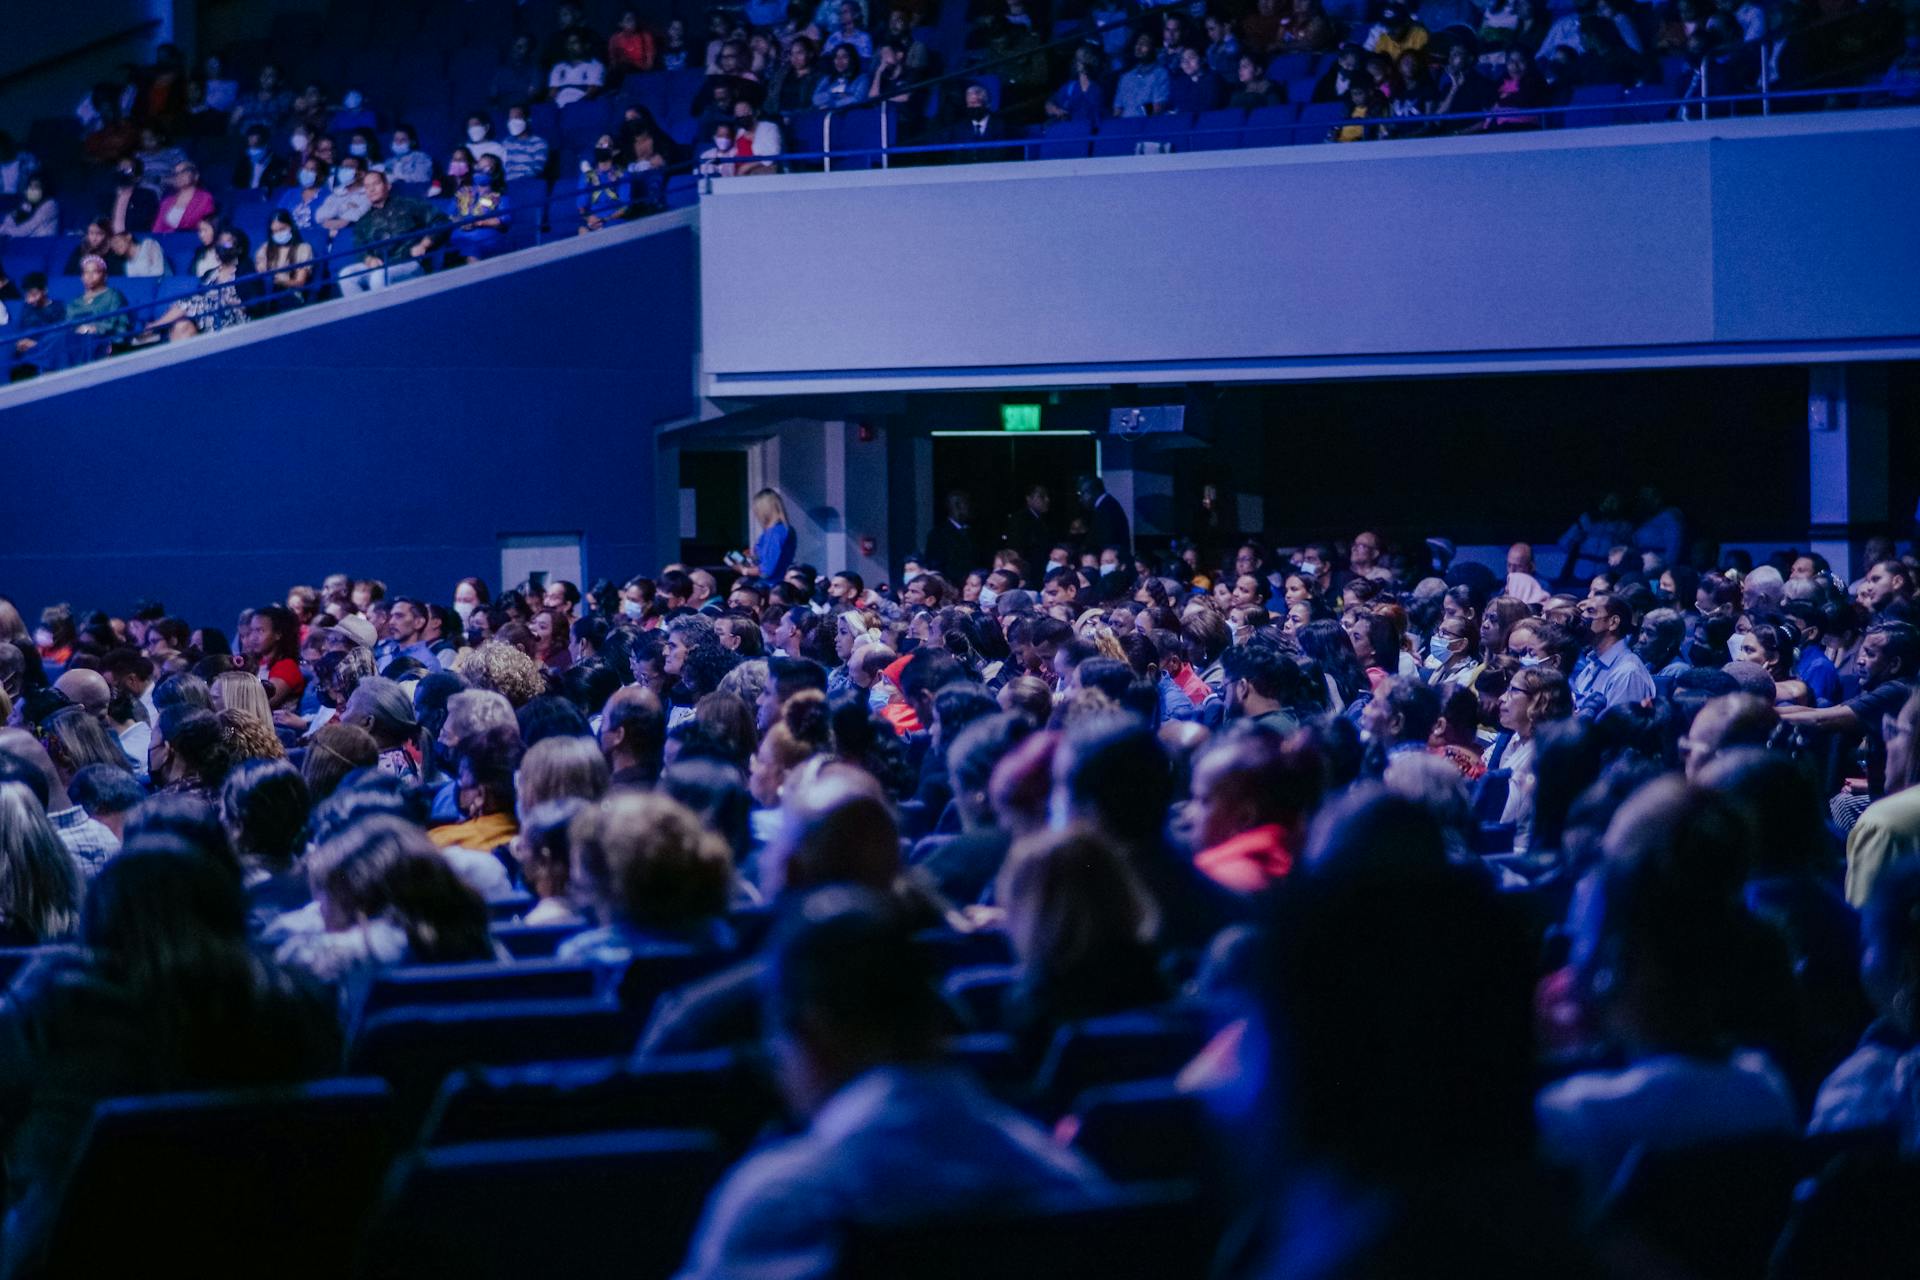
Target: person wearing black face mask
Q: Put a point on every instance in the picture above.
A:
(217, 304)
(978, 122)
(483, 200)
(130, 206)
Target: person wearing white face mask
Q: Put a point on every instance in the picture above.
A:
(1452, 660)
(405, 161)
(480, 140)
(525, 150)
(302, 201)
(289, 257)
(348, 203)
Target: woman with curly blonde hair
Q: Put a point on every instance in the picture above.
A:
(503, 668)
(248, 736)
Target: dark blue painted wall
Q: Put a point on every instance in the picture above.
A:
(399, 443)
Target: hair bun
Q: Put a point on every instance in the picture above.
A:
(805, 716)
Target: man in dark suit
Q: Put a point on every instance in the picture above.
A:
(954, 547)
(1107, 524)
(978, 123)
(1030, 532)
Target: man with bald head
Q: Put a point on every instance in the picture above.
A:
(90, 842)
(1728, 721)
(87, 689)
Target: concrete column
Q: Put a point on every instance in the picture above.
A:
(1847, 500)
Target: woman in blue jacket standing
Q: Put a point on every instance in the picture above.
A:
(773, 549)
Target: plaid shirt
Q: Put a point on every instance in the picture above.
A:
(91, 843)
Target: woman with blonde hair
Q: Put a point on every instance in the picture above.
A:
(39, 884)
(772, 553)
(242, 691)
(248, 737)
(560, 768)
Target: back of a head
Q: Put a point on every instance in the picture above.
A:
(1118, 776)
(1436, 786)
(845, 974)
(39, 884)
(790, 675)
(551, 716)
(647, 858)
(1782, 804)
(186, 817)
(1398, 1005)
(974, 751)
(637, 714)
(105, 789)
(386, 704)
(333, 753)
(1272, 779)
(557, 768)
(1371, 833)
(928, 672)
(836, 832)
(470, 711)
(1731, 720)
(717, 794)
(385, 867)
(154, 916)
(265, 805)
(1072, 901)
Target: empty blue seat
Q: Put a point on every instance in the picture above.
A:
(1270, 126)
(1638, 95)
(1287, 67)
(1217, 130)
(1145, 1131)
(1119, 136)
(415, 1048)
(475, 983)
(681, 88)
(1587, 105)
(1147, 1045)
(653, 973)
(293, 1171)
(979, 994)
(531, 941)
(1318, 117)
(63, 288)
(601, 1205)
(720, 1092)
(853, 138)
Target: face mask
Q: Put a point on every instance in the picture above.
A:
(353, 100)
(987, 596)
(309, 176)
(476, 133)
(482, 178)
(632, 609)
(402, 148)
(345, 177)
(228, 253)
(516, 127)
(464, 609)
(458, 169)
(356, 148)
(1532, 660)
(1733, 650)
(1439, 649)
(603, 155)
(1310, 569)
(256, 154)
(283, 237)
(300, 141)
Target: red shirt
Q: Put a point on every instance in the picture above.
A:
(287, 672)
(1249, 862)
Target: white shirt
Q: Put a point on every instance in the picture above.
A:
(567, 75)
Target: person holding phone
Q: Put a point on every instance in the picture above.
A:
(772, 553)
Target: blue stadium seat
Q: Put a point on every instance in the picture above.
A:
(1588, 99)
(722, 1092)
(996, 1061)
(978, 994)
(1270, 126)
(139, 291)
(952, 950)
(1318, 117)
(653, 973)
(1144, 1131)
(180, 248)
(1288, 67)
(1217, 130)
(475, 983)
(1118, 136)
(806, 132)
(415, 1048)
(531, 941)
(649, 90)
(13, 960)
(1641, 114)
(606, 1205)
(283, 1165)
(855, 131)
(681, 88)
(1300, 91)
(64, 288)
(1147, 1045)
(993, 85)
(683, 191)
(178, 285)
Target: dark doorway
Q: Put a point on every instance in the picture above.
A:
(997, 470)
(715, 482)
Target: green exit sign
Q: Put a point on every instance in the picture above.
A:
(1019, 417)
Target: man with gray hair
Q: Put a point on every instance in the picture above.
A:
(469, 713)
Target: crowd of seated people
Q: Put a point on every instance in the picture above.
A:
(1443, 896)
(167, 167)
